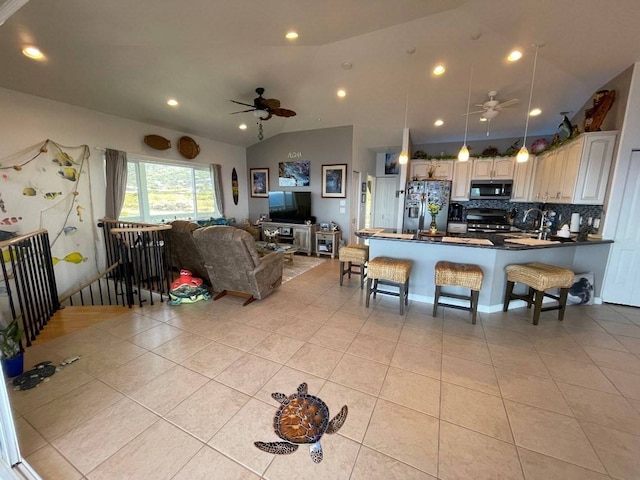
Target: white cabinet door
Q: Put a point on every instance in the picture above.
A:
(461, 181)
(523, 175)
(503, 168)
(541, 182)
(445, 170)
(569, 172)
(482, 168)
(420, 169)
(593, 173)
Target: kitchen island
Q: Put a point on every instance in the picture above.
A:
(492, 256)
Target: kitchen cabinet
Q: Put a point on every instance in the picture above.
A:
(461, 180)
(499, 168)
(523, 174)
(444, 169)
(576, 172)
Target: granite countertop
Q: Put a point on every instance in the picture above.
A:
(510, 241)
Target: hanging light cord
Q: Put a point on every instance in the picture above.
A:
(533, 77)
(466, 122)
(406, 103)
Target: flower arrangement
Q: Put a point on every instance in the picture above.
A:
(434, 208)
(431, 171)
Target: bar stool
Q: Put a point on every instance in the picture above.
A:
(538, 277)
(453, 274)
(355, 257)
(392, 272)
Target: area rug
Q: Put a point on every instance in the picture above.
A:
(299, 265)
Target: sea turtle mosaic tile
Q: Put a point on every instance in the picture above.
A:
(302, 419)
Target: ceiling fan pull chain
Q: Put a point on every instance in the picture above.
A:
(260, 134)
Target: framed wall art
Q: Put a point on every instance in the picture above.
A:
(334, 181)
(294, 174)
(259, 182)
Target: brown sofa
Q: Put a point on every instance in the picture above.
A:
(184, 253)
(235, 266)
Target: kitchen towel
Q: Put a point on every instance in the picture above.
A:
(575, 223)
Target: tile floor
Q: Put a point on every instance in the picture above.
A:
(183, 392)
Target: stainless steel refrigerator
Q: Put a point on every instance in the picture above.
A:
(418, 195)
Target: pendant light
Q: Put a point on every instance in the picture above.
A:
(523, 154)
(463, 155)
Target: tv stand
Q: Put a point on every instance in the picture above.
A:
(299, 234)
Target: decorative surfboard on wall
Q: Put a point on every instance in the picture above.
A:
(157, 142)
(234, 186)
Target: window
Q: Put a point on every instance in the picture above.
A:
(159, 192)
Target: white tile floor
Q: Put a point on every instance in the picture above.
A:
(183, 392)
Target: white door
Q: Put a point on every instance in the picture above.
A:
(623, 268)
(385, 203)
(356, 207)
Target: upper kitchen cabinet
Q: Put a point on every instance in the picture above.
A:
(576, 172)
(461, 181)
(500, 168)
(523, 173)
(419, 169)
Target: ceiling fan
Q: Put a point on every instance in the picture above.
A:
(265, 108)
(492, 107)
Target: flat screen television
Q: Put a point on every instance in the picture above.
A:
(290, 207)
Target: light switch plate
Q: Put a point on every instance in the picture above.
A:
(343, 210)
(343, 203)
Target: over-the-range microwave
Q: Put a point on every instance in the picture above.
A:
(487, 189)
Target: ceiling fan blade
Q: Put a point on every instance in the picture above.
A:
(472, 113)
(271, 103)
(244, 111)
(283, 112)
(241, 103)
(508, 103)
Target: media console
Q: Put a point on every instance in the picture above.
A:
(299, 234)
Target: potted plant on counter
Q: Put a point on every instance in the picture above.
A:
(11, 348)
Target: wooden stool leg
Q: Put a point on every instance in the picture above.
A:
(436, 299)
(362, 275)
(349, 270)
(538, 296)
(562, 299)
(474, 305)
(402, 287)
(406, 292)
(341, 272)
(507, 296)
(368, 291)
(375, 287)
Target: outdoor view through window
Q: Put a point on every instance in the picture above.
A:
(160, 193)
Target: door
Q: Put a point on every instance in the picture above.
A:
(357, 206)
(385, 203)
(623, 268)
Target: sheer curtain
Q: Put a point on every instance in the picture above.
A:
(116, 173)
(216, 174)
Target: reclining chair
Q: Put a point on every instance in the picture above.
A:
(184, 254)
(234, 265)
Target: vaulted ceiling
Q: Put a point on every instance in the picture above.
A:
(127, 57)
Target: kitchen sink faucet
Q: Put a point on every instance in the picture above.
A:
(543, 231)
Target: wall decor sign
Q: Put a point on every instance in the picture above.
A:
(259, 182)
(294, 174)
(334, 181)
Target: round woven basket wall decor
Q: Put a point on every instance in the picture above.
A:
(188, 147)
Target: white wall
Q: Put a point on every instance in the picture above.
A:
(26, 120)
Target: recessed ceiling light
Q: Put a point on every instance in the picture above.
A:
(172, 102)
(291, 35)
(514, 55)
(341, 93)
(439, 69)
(483, 119)
(438, 123)
(535, 112)
(242, 126)
(33, 52)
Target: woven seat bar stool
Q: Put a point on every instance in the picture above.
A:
(391, 272)
(465, 275)
(353, 259)
(538, 277)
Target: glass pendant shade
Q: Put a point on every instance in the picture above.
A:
(463, 154)
(523, 155)
(403, 159)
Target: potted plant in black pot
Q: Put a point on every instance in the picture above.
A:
(11, 348)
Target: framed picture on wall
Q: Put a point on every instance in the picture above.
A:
(334, 181)
(259, 182)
